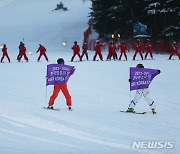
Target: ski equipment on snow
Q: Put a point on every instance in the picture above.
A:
(56, 109)
(134, 112)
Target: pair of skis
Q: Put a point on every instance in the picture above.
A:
(56, 109)
(134, 112)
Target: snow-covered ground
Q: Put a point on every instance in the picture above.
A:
(99, 90)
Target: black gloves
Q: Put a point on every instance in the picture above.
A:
(159, 71)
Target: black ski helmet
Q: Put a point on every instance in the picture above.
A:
(60, 61)
(75, 42)
(140, 66)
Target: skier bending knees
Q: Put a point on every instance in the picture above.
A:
(137, 97)
(142, 92)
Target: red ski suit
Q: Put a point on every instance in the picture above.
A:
(148, 47)
(42, 50)
(123, 49)
(76, 51)
(111, 52)
(174, 51)
(98, 51)
(22, 49)
(64, 88)
(4, 50)
(138, 49)
(56, 91)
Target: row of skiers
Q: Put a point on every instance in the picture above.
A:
(22, 52)
(98, 51)
(122, 48)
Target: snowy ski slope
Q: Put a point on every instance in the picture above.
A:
(99, 90)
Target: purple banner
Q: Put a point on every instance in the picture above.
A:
(58, 73)
(140, 78)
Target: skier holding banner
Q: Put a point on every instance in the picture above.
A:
(145, 79)
(62, 75)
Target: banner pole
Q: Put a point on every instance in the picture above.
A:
(130, 85)
(46, 92)
(130, 96)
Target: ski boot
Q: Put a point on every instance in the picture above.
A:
(130, 110)
(70, 109)
(153, 111)
(50, 107)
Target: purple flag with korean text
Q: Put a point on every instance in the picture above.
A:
(140, 78)
(58, 74)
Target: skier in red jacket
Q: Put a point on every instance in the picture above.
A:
(63, 88)
(42, 51)
(174, 48)
(4, 50)
(123, 49)
(148, 47)
(97, 49)
(76, 51)
(138, 49)
(22, 50)
(112, 52)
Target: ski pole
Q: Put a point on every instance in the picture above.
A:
(173, 46)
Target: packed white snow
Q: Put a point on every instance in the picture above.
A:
(99, 90)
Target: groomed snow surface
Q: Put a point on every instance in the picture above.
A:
(99, 90)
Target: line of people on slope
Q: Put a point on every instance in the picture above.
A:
(22, 53)
(122, 48)
(98, 51)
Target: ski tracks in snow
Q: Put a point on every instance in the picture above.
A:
(24, 121)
